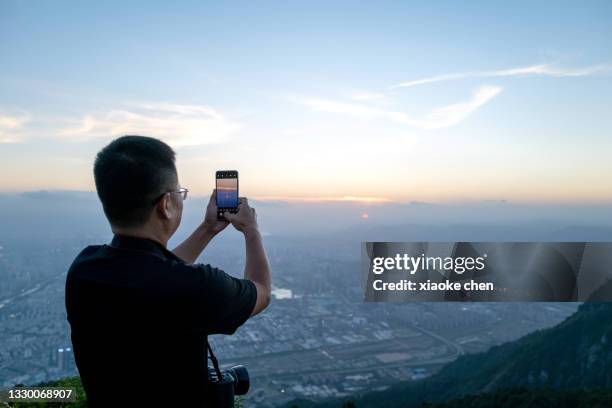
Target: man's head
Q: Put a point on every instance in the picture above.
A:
(136, 179)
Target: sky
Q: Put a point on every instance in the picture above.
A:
(320, 101)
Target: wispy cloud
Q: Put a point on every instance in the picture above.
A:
(369, 96)
(326, 199)
(10, 127)
(438, 118)
(455, 113)
(447, 115)
(541, 69)
(179, 125)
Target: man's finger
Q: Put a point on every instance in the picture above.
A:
(229, 216)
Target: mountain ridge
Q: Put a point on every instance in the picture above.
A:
(577, 353)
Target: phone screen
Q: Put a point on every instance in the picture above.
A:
(227, 189)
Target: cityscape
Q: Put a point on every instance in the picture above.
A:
(317, 340)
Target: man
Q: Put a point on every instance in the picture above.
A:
(139, 313)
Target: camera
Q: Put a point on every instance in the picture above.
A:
(224, 384)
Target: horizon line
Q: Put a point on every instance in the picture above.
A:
(347, 199)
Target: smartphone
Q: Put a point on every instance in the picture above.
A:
(227, 192)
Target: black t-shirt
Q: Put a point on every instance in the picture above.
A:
(140, 316)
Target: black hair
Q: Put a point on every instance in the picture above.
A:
(131, 174)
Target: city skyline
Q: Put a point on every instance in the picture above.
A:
(319, 102)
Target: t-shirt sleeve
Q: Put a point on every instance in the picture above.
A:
(226, 302)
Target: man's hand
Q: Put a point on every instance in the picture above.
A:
(211, 223)
(245, 220)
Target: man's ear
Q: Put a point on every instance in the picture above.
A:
(164, 207)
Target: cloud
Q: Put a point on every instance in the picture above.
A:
(10, 127)
(369, 96)
(177, 124)
(447, 115)
(541, 69)
(438, 118)
(453, 114)
(324, 199)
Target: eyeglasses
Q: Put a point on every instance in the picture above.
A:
(182, 191)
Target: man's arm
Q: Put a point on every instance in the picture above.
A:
(190, 249)
(257, 267)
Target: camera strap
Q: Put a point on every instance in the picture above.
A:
(214, 360)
